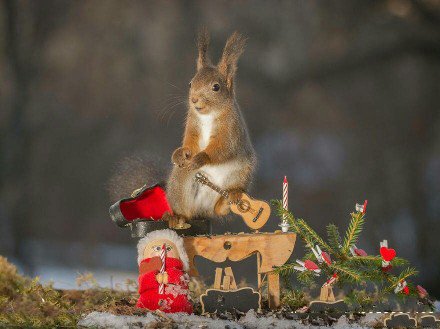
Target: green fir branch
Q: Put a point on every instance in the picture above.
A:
(285, 269)
(366, 260)
(306, 278)
(399, 261)
(375, 260)
(334, 238)
(309, 255)
(293, 222)
(353, 231)
(406, 273)
(347, 273)
(283, 213)
(313, 236)
(358, 270)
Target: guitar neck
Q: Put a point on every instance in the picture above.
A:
(220, 191)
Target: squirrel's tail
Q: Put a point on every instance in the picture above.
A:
(132, 173)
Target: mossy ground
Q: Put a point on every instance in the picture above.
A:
(25, 302)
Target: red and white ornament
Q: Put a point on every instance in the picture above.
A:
(307, 265)
(362, 207)
(321, 256)
(402, 286)
(331, 281)
(387, 254)
(421, 292)
(355, 251)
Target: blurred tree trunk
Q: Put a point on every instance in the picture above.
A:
(27, 29)
(16, 139)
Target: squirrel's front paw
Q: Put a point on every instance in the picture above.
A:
(234, 196)
(181, 156)
(198, 161)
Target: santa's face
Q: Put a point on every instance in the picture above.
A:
(153, 249)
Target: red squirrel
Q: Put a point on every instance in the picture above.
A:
(216, 140)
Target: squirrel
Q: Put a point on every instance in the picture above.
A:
(216, 140)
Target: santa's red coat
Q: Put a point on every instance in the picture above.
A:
(175, 298)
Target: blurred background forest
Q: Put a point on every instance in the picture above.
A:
(341, 96)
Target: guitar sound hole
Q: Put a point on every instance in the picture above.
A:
(244, 206)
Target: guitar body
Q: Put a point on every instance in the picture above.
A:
(255, 213)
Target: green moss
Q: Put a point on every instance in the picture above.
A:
(25, 302)
(294, 299)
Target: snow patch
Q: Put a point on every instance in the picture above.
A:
(372, 319)
(108, 320)
(252, 321)
(150, 320)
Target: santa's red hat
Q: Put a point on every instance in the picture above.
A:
(168, 235)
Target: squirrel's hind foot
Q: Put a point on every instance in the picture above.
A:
(178, 222)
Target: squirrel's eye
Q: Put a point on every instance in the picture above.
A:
(169, 248)
(189, 84)
(216, 87)
(156, 248)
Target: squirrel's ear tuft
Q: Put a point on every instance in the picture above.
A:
(231, 53)
(202, 46)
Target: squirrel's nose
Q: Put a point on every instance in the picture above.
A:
(194, 100)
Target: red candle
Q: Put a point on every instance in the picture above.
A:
(285, 194)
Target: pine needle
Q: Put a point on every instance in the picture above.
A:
(353, 231)
(376, 260)
(313, 236)
(334, 238)
(350, 273)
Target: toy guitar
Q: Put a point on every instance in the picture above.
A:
(255, 213)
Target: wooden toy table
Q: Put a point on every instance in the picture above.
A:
(272, 249)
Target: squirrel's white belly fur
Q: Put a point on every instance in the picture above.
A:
(224, 175)
(206, 121)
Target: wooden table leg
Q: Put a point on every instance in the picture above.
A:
(273, 289)
(218, 277)
(258, 271)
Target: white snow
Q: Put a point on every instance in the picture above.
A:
(183, 321)
(151, 320)
(108, 320)
(372, 319)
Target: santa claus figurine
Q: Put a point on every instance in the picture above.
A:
(163, 278)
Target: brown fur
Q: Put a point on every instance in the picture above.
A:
(227, 154)
(132, 173)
